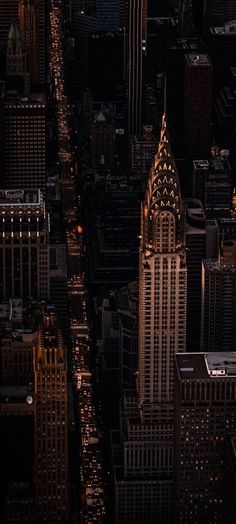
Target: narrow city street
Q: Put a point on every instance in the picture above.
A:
(91, 475)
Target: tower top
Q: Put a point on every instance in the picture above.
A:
(163, 190)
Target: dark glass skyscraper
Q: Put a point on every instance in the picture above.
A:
(135, 45)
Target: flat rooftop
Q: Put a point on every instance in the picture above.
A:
(14, 197)
(214, 164)
(12, 310)
(198, 59)
(228, 29)
(206, 365)
(30, 101)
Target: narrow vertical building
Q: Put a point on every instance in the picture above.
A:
(135, 46)
(218, 308)
(196, 244)
(198, 94)
(144, 481)
(32, 19)
(51, 422)
(162, 278)
(16, 63)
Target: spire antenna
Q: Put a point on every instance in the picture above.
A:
(165, 109)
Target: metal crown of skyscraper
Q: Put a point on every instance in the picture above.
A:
(163, 188)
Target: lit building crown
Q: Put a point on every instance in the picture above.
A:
(163, 196)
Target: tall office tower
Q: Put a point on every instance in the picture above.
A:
(218, 321)
(143, 484)
(28, 25)
(84, 26)
(135, 44)
(17, 62)
(196, 243)
(198, 94)
(107, 12)
(205, 414)
(24, 245)
(51, 422)
(8, 13)
(32, 18)
(175, 91)
(162, 280)
(212, 184)
(185, 17)
(217, 12)
(25, 143)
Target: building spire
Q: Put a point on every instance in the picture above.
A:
(163, 199)
(163, 190)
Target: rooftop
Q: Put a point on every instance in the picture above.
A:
(30, 101)
(228, 29)
(218, 163)
(198, 59)
(14, 197)
(206, 365)
(12, 310)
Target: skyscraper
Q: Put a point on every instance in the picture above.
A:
(135, 46)
(32, 19)
(196, 240)
(51, 422)
(162, 279)
(144, 481)
(25, 143)
(205, 414)
(17, 64)
(212, 184)
(24, 245)
(198, 94)
(218, 315)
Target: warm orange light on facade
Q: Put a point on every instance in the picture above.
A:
(79, 230)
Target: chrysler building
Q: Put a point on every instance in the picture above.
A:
(144, 477)
(162, 278)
